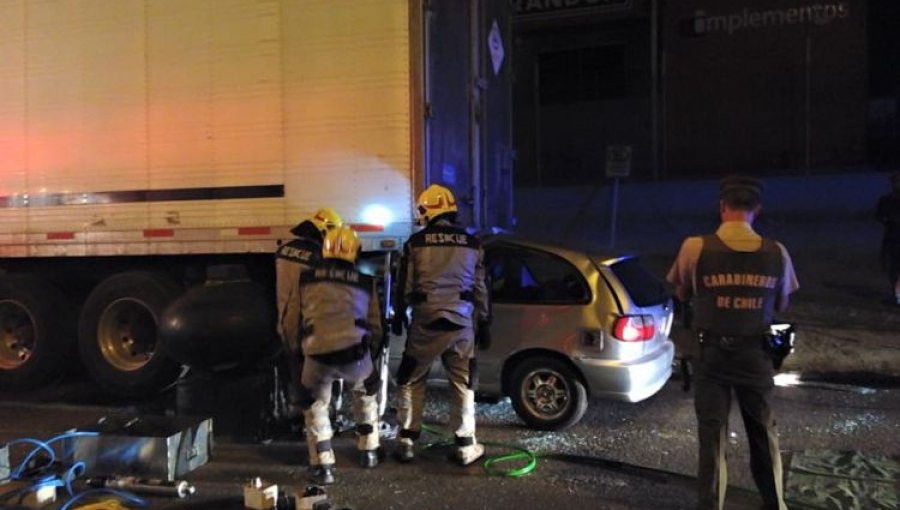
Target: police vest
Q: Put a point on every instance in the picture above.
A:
(736, 290)
(335, 305)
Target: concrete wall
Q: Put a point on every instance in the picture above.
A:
(827, 213)
(764, 85)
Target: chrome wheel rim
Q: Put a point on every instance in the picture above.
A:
(546, 393)
(17, 339)
(126, 334)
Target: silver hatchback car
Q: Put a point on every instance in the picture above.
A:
(568, 325)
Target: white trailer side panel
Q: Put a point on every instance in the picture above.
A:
(12, 115)
(347, 106)
(165, 126)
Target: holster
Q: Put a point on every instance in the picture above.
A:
(779, 344)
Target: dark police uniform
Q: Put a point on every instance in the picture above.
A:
(341, 320)
(443, 280)
(733, 307)
(735, 292)
(888, 213)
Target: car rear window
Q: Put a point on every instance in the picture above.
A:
(644, 288)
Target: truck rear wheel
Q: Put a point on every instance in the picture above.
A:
(117, 333)
(36, 332)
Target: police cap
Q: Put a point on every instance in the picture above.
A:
(740, 183)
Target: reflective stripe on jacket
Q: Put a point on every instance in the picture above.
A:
(291, 259)
(339, 308)
(442, 275)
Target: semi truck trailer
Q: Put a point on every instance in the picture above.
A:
(146, 144)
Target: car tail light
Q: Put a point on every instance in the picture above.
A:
(634, 328)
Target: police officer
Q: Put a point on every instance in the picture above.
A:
(442, 279)
(341, 320)
(736, 280)
(292, 258)
(888, 213)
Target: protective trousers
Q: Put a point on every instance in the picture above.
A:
(317, 381)
(712, 402)
(456, 349)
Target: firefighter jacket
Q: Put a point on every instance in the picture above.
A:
(291, 259)
(442, 275)
(736, 291)
(340, 312)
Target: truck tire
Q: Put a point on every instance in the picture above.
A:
(547, 393)
(117, 334)
(36, 332)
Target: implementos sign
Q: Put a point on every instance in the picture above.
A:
(748, 19)
(531, 9)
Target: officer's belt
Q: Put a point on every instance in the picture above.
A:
(730, 341)
(359, 323)
(421, 297)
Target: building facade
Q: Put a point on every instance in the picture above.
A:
(698, 88)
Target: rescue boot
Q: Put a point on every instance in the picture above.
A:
(370, 458)
(465, 455)
(322, 474)
(405, 452)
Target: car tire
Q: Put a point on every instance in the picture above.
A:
(36, 332)
(117, 334)
(547, 394)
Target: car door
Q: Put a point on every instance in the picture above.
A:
(537, 301)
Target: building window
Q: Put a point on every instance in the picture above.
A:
(583, 74)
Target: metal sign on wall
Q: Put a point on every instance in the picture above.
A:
(618, 161)
(544, 9)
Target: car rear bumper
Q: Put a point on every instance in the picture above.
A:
(631, 381)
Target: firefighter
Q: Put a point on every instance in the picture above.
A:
(442, 279)
(735, 280)
(340, 327)
(291, 259)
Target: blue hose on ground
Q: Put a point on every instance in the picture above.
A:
(44, 475)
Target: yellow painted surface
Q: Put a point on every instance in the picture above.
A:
(125, 95)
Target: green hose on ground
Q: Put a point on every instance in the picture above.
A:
(518, 454)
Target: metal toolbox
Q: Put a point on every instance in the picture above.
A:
(160, 447)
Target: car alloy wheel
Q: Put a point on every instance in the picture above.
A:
(547, 394)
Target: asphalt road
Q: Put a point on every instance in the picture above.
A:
(620, 456)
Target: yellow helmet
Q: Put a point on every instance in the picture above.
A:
(326, 219)
(341, 243)
(433, 202)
